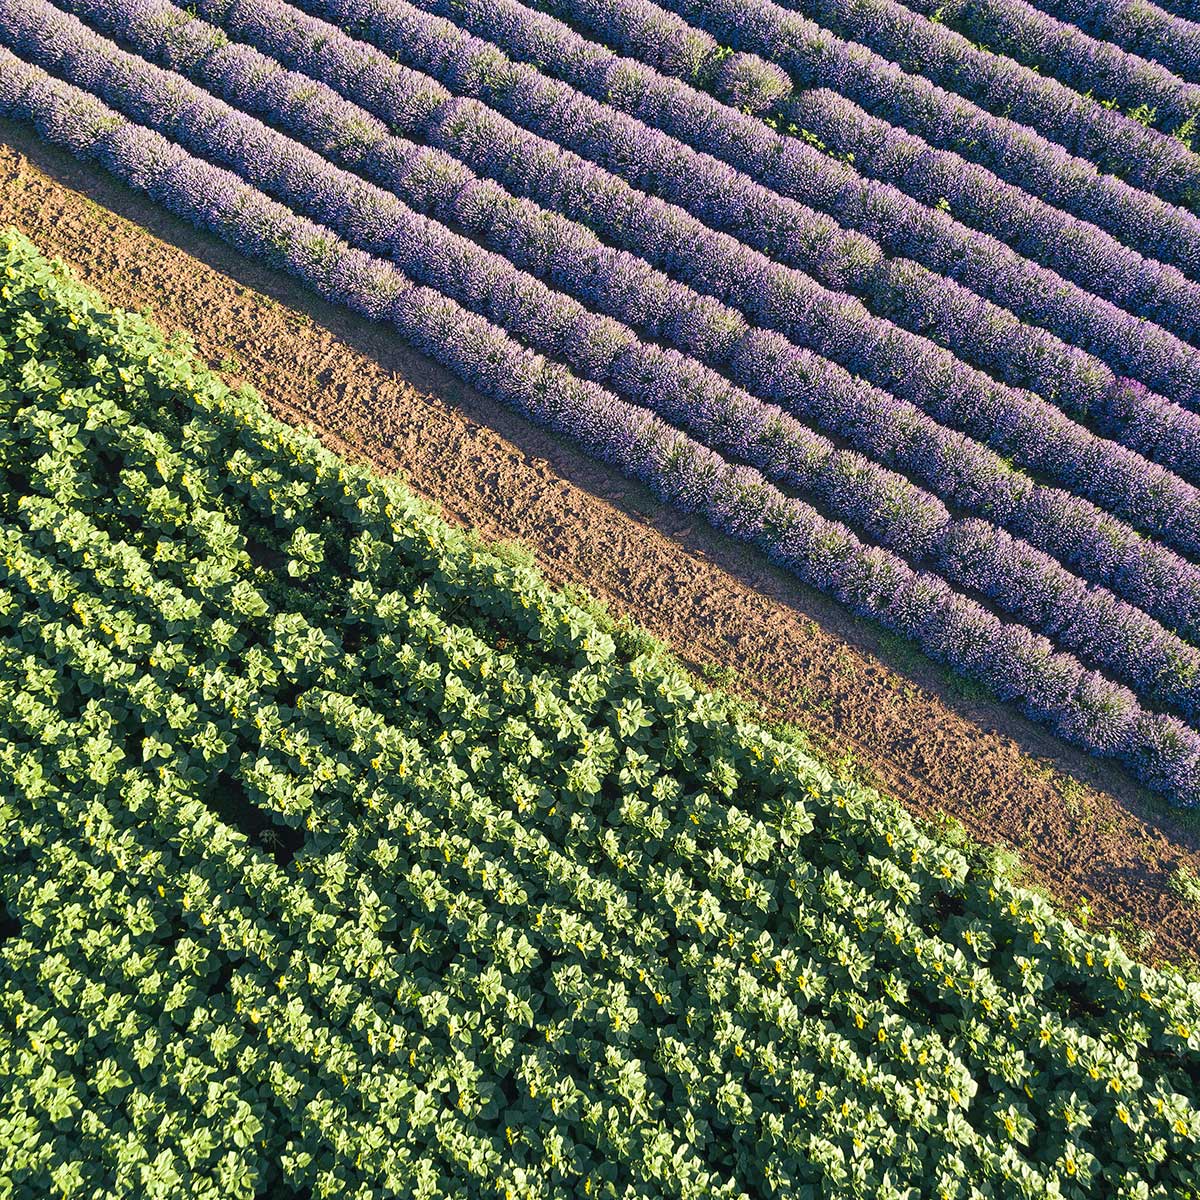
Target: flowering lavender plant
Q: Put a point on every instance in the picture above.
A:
(1165, 33)
(762, 160)
(1089, 65)
(546, 244)
(931, 377)
(998, 84)
(816, 58)
(751, 83)
(1092, 542)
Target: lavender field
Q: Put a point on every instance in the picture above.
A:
(907, 296)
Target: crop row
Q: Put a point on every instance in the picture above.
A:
(815, 58)
(1050, 686)
(1105, 631)
(662, 39)
(1166, 33)
(1115, 143)
(477, 973)
(1145, 288)
(1029, 430)
(890, 431)
(674, 142)
(977, 197)
(1055, 47)
(858, 492)
(1075, 249)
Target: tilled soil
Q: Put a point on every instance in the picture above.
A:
(1083, 830)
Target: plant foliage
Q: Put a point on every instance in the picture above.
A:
(535, 916)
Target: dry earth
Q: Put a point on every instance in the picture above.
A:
(1084, 832)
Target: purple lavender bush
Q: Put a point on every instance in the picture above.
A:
(1114, 142)
(750, 83)
(662, 105)
(1092, 542)
(1014, 151)
(1166, 33)
(1063, 50)
(1091, 622)
(1170, 234)
(933, 378)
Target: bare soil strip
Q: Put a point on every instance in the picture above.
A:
(1083, 830)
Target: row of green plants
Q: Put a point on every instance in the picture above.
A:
(342, 857)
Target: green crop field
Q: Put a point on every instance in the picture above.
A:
(341, 857)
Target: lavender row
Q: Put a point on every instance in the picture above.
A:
(1188, 10)
(882, 503)
(639, 140)
(1090, 622)
(900, 225)
(1121, 409)
(1137, 220)
(1074, 249)
(978, 198)
(1115, 143)
(929, 47)
(1166, 33)
(1027, 429)
(1064, 51)
(887, 507)
(890, 431)
(1017, 665)
(546, 244)
(1017, 153)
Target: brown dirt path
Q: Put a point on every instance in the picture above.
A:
(1083, 830)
